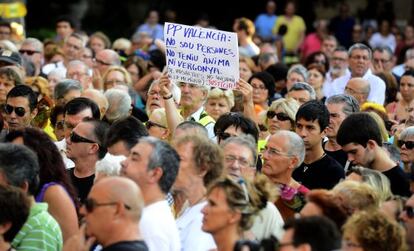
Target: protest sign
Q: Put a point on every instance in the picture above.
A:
(201, 56)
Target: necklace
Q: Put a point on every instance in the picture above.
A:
(305, 168)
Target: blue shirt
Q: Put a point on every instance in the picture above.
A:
(264, 24)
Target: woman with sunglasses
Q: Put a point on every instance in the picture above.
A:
(231, 207)
(54, 187)
(406, 144)
(263, 90)
(281, 115)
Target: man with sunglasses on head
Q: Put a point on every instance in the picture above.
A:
(407, 216)
(32, 50)
(85, 146)
(360, 137)
(318, 170)
(20, 107)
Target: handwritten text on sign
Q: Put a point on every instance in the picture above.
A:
(202, 56)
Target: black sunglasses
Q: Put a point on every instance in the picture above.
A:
(280, 115)
(409, 211)
(90, 205)
(150, 124)
(75, 138)
(408, 144)
(20, 111)
(28, 52)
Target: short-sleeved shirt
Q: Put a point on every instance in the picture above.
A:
(323, 173)
(40, 232)
(82, 185)
(295, 26)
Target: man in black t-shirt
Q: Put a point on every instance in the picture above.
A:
(360, 137)
(318, 170)
(112, 213)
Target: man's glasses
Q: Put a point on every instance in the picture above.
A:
(408, 144)
(20, 111)
(90, 205)
(28, 52)
(150, 124)
(60, 125)
(280, 115)
(230, 159)
(409, 211)
(75, 138)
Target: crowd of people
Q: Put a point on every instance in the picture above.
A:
(312, 150)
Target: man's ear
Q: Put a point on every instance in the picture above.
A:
(371, 144)
(4, 227)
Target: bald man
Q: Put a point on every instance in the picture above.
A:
(359, 88)
(112, 212)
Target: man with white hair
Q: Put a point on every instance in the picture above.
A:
(119, 105)
(97, 97)
(32, 50)
(80, 71)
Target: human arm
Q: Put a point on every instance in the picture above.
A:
(171, 111)
(247, 91)
(62, 208)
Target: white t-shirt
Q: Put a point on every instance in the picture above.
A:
(189, 224)
(158, 227)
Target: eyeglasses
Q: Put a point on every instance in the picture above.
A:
(273, 152)
(98, 61)
(242, 161)
(75, 138)
(280, 115)
(20, 111)
(409, 211)
(408, 144)
(90, 205)
(150, 124)
(28, 52)
(350, 244)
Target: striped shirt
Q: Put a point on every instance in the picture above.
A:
(40, 232)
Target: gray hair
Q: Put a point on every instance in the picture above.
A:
(407, 132)
(113, 56)
(295, 145)
(359, 46)
(350, 103)
(64, 86)
(164, 157)
(243, 140)
(302, 86)
(109, 166)
(119, 104)
(76, 62)
(19, 164)
(38, 46)
(376, 180)
(8, 45)
(192, 125)
(386, 49)
(299, 69)
(265, 58)
(409, 54)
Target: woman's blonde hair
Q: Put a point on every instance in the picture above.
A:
(41, 83)
(217, 93)
(374, 231)
(381, 126)
(125, 73)
(246, 196)
(288, 105)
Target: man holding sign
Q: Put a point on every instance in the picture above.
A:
(197, 59)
